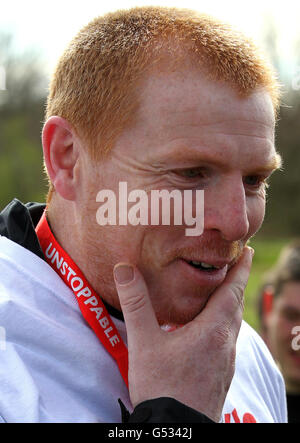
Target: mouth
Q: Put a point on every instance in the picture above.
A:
(209, 273)
(211, 264)
(203, 266)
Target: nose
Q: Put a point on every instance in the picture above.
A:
(225, 210)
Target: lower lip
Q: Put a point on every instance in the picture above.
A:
(201, 277)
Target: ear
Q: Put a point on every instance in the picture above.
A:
(60, 155)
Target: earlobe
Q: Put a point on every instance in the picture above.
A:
(60, 155)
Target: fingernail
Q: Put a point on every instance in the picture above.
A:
(252, 251)
(123, 274)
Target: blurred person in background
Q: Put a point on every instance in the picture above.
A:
(279, 306)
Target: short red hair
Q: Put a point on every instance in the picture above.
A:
(94, 85)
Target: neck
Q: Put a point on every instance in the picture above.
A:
(76, 237)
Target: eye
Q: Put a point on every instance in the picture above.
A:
(290, 314)
(192, 172)
(255, 181)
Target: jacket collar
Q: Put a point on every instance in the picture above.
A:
(18, 221)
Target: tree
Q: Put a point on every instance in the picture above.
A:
(283, 205)
(21, 117)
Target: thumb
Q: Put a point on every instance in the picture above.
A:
(228, 297)
(139, 316)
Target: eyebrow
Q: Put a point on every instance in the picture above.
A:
(273, 164)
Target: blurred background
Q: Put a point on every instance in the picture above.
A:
(33, 34)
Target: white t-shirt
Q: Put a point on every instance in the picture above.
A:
(54, 369)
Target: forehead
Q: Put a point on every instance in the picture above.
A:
(289, 298)
(185, 109)
(290, 293)
(190, 96)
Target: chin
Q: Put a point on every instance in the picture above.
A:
(184, 311)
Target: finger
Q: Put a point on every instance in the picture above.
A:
(228, 297)
(139, 316)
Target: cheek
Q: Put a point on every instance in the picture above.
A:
(256, 213)
(280, 329)
(285, 329)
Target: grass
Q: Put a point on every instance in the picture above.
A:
(266, 254)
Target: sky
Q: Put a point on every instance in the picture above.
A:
(48, 26)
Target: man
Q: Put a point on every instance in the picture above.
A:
(280, 316)
(159, 99)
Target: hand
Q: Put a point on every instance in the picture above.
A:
(193, 364)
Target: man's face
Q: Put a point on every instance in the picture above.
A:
(190, 134)
(281, 321)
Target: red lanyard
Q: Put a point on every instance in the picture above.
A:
(90, 304)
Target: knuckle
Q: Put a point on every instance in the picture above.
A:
(134, 303)
(236, 294)
(224, 336)
(221, 336)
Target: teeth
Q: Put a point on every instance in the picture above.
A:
(206, 265)
(203, 265)
(196, 263)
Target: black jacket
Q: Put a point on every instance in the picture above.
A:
(17, 222)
